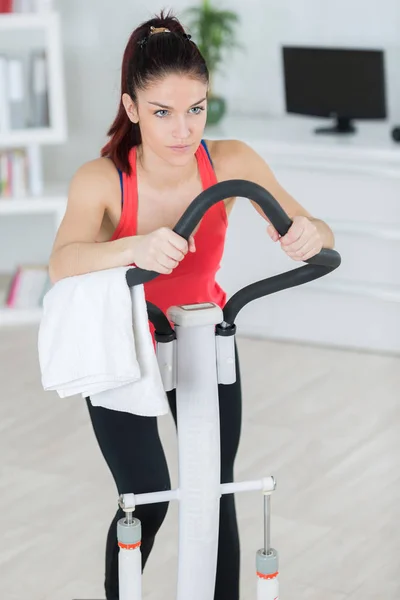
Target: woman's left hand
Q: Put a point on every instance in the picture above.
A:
(302, 241)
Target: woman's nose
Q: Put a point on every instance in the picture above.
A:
(181, 128)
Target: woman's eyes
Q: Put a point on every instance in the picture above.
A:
(199, 108)
(163, 112)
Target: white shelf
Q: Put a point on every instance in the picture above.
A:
(19, 316)
(24, 137)
(16, 206)
(13, 21)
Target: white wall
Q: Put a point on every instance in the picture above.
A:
(95, 34)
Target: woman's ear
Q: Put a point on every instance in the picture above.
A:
(130, 108)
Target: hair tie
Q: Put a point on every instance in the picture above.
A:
(155, 30)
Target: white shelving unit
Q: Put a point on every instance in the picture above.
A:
(28, 28)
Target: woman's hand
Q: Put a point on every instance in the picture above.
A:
(302, 241)
(161, 250)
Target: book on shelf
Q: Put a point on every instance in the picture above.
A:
(26, 6)
(6, 6)
(28, 286)
(15, 181)
(24, 91)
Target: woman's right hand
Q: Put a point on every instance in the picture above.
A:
(162, 250)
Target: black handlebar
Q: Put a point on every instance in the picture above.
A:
(319, 265)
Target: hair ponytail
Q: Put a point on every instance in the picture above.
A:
(147, 58)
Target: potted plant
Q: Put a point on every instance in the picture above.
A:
(214, 32)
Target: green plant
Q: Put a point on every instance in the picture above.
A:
(214, 33)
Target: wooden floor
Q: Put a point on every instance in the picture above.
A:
(325, 423)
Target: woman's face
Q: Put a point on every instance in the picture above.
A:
(172, 115)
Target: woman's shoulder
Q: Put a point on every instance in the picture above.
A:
(99, 175)
(102, 168)
(230, 156)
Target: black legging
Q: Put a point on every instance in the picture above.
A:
(133, 451)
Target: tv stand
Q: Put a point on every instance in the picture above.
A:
(342, 125)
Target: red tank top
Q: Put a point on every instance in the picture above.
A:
(193, 280)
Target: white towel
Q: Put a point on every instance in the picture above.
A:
(94, 340)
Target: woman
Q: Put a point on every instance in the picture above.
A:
(121, 210)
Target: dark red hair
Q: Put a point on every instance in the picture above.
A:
(148, 58)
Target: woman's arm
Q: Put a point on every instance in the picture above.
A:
(75, 250)
(307, 235)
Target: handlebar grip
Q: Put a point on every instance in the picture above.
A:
(227, 189)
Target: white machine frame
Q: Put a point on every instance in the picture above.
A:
(199, 360)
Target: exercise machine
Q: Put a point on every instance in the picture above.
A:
(195, 355)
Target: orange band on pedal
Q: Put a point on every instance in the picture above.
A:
(271, 576)
(129, 546)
